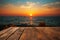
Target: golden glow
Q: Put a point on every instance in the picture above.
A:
(30, 14)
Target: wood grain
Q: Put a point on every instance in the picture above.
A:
(31, 33)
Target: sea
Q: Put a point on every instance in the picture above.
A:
(17, 20)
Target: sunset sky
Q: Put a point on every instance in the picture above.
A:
(27, 7)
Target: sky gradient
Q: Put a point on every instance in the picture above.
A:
(27, 7)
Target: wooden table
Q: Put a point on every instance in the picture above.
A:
(30, 33)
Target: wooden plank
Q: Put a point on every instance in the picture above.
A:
(4, 31)
(51, 32)
(31, 34)
(8, 34)
(17, 34)
(40, 33)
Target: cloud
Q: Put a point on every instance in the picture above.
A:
(53, 5)
(34, 7)
(29, 5)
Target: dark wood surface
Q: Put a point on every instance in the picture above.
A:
(30, 33)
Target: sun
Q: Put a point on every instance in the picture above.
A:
(30, 14)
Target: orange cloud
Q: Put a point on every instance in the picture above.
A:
(36, 9)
